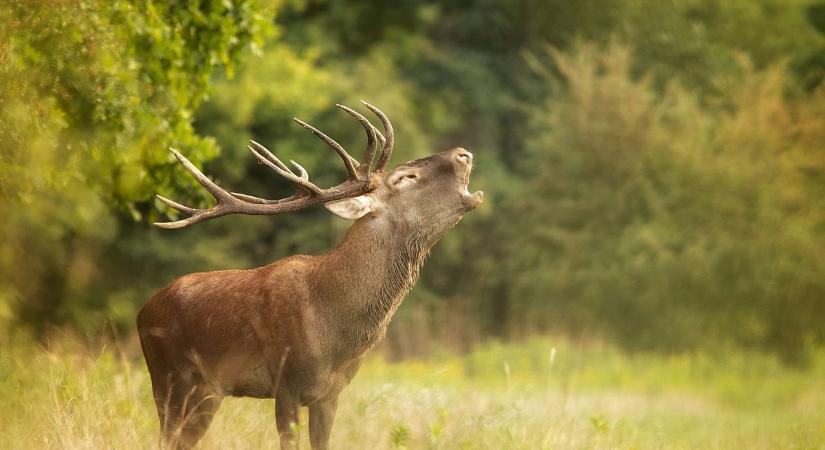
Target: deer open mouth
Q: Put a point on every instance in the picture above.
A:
(471, 201)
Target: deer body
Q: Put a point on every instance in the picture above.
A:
(297, 330)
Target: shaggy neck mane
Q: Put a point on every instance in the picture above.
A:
(365, 278)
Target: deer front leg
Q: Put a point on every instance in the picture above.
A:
(321, 415)
(286, 419)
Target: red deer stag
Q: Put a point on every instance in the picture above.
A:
(297, 330)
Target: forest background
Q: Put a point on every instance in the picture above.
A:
(654, 171)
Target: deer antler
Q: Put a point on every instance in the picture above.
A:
(359, 177)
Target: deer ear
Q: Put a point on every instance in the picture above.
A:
(352, 208)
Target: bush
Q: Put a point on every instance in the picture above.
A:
(670, 222)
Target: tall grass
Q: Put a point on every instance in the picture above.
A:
(545, 394)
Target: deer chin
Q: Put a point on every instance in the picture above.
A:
(471, 201)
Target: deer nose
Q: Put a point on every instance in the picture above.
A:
(464, 156)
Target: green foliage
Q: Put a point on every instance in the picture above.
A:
(93, 92)
(400, 436)
(666, 217)
(695, 41)
(599, 424)
(655, 178)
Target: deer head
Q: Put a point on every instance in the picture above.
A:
(429, 193)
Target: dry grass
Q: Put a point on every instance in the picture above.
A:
(546, 394)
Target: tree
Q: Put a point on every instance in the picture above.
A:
(93, 92)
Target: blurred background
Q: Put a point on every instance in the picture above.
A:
(654, 170)
(647, 269)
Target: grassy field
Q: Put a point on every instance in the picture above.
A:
(545, 394)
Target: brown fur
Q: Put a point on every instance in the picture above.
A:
(297, 330)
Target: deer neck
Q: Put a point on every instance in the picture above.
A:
(367, 276)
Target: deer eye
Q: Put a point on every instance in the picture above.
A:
(408, 177)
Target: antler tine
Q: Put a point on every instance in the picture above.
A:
(301, 171)
(369, 153)
(208, 184)
(261, 201)
(300, 181)
(381, 139)
(386, 151)
(349, 162)
(197, 215)
(269, 155)
(176, 205)
(274, 159)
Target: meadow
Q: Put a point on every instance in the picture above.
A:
(547, 393)
(654, 177)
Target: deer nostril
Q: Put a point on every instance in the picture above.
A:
(464, 156)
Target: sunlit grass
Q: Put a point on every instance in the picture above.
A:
(548, 393)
